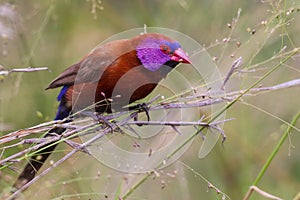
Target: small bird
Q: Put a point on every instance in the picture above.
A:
(130, 68)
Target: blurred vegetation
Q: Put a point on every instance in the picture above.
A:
(57, 34)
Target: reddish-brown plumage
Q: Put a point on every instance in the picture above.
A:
(100, 73)
(111, 54)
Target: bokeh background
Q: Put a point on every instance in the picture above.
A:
(56, 34)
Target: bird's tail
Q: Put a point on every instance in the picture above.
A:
(37, 161)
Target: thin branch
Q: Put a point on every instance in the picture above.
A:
(261, 192)
(210, 186)
(276, 149)
(28, 69)
(268, 162)
(28, 131)
(236, 64)
(75, 129)
(200, 103)
(53, 140)
(79, 148)
(177, 130)
(251, 92)
(29, 149)
(174, 123)
(165, 123)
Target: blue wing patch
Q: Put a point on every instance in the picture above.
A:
(63, 109)
(62, 93)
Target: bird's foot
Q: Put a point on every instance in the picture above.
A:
(143, 107)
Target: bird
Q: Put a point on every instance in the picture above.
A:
(130, 68)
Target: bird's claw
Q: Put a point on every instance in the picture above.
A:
(143, 107)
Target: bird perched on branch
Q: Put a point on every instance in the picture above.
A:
(128, 69)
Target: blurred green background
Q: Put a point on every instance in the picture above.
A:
(56, 34)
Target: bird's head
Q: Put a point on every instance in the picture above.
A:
(155, 50)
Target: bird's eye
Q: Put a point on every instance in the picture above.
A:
(165, 48)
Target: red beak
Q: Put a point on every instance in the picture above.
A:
(180, 56)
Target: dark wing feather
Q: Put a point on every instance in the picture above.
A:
(67, 77)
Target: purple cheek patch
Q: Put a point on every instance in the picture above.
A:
(150, 54)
